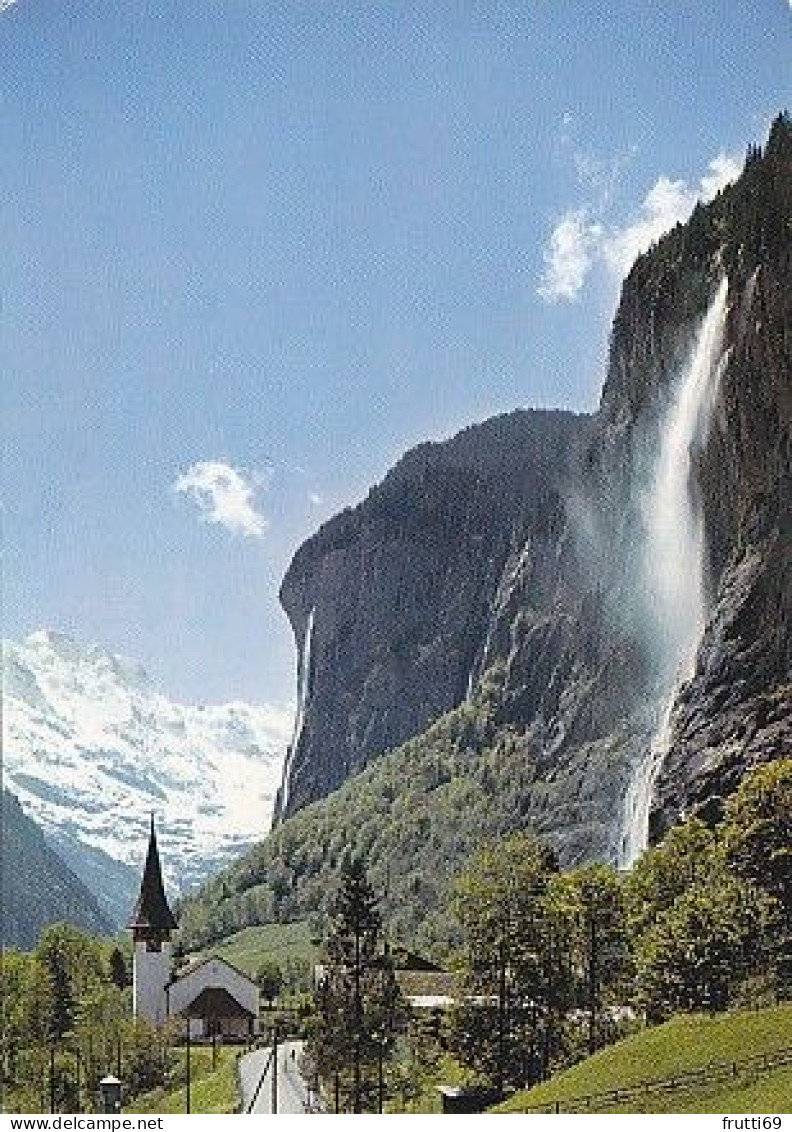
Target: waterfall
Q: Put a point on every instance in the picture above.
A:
(303, 684)
(480, 659)
(674, 556)
(479, 664)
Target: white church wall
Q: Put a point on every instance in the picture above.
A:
(151, 972)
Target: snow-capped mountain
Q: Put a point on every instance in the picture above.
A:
(91, 748)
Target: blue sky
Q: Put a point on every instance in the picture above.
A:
(252, 251)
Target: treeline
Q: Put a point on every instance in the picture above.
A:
(555, 964)
(441, 795)
(67, 1022)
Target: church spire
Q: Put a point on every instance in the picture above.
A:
(152, 915)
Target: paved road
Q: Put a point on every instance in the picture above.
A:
(292, 1089)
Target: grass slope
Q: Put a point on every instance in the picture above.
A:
(251, 947)
(686, 1042)
(210, 1090)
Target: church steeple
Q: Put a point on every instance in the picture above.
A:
(152, 918)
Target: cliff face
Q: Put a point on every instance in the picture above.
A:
(513, 552)
(391, 603)
(501, 582)
(737, 710)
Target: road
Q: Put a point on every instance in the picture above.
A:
(293, 1096)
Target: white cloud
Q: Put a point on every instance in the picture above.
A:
(6, 4)
(666, 203)
(723, 169)
(568, 256)
(224, 495)
(596, 174)
(579, 240)
(315, 499)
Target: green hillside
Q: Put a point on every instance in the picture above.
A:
(279, 943)
(38, 888)
(684, 1043)
(440, 796)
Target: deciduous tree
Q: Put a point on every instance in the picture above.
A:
(591, 900)
(703, 946)
(512, 952)
(757, 843)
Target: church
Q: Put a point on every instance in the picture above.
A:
(213, 998)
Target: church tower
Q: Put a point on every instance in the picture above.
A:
(151, 925)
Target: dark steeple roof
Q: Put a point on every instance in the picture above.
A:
(151, 910)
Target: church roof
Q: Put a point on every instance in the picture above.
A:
(216, 1002)
(152, 910)
(187, 972)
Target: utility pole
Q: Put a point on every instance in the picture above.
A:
(188, 1066)
(502, 1007)
(52, 1077)
(384, 972)
(89, 1068)
(79, 1066)
(381, 1073)
(274, 1105)
(358, 1012)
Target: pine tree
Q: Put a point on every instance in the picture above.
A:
(118, 968)
(358, 1006)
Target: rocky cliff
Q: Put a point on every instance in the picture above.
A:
(498, 585)
(392, 603)
(515, 544)
(737, 709)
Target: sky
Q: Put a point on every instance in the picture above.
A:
(253, 251)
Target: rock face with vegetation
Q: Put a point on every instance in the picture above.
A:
(513, 545)
(37, 887)
(483, 607)
(736, 712)
(392, 603)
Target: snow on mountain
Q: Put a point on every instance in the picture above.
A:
(91, 748)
